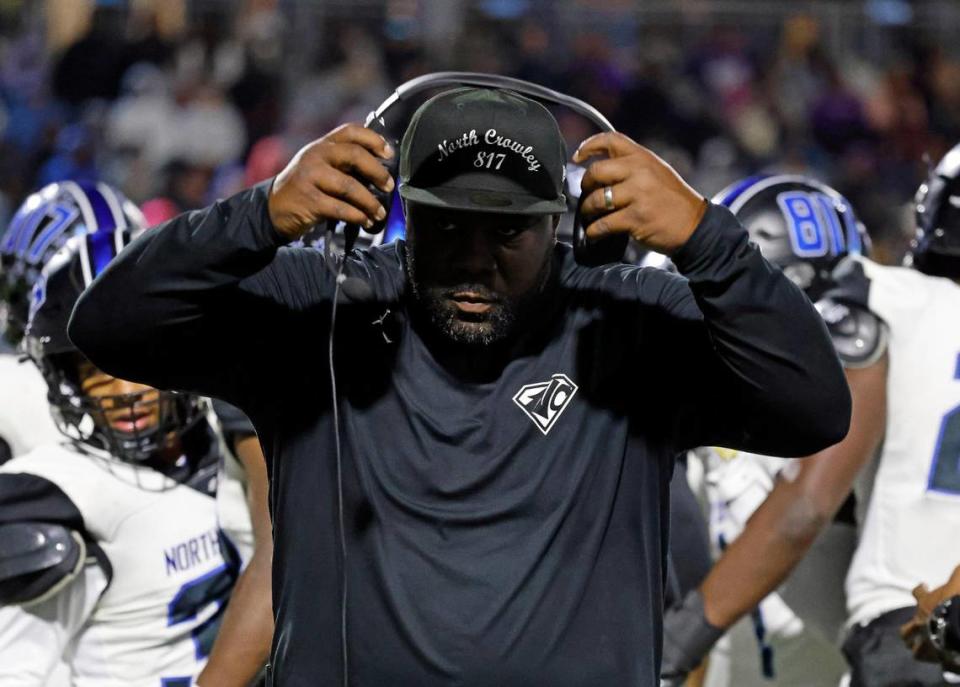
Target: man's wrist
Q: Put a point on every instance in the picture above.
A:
(714, 241)
(693, 225)
(687, 636)
(282, 234)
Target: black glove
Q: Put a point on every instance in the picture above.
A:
(943, 631)
(687, 638)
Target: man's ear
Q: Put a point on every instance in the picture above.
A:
(556, 225)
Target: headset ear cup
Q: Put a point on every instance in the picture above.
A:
(351, 231)
(609, 249)
(386, 199)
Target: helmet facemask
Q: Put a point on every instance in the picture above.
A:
(14, 303)
(136, 427)
(936, 248)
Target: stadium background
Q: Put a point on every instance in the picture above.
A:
(179, 102)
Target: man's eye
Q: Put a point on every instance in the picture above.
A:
(509, 232)
(445, 226)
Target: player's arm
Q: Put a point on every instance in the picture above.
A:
(242, 646)
(174, 309)
(49, 580)
(753, 336)
(780, 531)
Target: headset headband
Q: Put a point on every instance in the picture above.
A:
(438, 79)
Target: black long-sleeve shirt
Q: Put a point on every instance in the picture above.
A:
(502, 532)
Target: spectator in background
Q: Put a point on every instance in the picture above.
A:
(355, 81)
(185, 187)
(142, 123)
(938, 80)
(152, 30)
(534, 61)
(259, 89)
(837, 119)
(796, 77)
(73, 157)
(268, 157)
(93, 66)
(722, 92)
(209, 129)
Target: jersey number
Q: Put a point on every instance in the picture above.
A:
(212, 588)
(23, 229)
(193, 597)
(814, 226)
(945, 469)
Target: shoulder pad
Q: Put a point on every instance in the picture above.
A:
(859, 336)
(37, 560)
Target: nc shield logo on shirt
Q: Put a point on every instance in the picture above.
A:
(544, 401)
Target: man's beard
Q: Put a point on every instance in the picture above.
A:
(470, 329)
(496, 325)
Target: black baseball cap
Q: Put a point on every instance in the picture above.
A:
(485, 150)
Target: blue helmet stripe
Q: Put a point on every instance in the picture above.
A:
(28, 229)
(741, 186)
(100, 241)
(101, 249)
(854, 241)
(101, 209)
(13, 232)
(63, 217)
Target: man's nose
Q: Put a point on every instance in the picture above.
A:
(474, 252)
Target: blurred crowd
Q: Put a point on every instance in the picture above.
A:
(181, 102)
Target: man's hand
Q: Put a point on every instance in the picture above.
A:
(914, 632)
(327, 180)
(649, 199)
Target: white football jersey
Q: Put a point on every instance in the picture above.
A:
(25, 420)
(148, 616)
(912, 520)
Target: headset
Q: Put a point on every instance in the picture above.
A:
(384, 121)
(389, 120)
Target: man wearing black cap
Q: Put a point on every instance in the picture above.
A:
(508, 419)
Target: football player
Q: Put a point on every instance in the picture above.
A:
(912, 498)
(43, 222)
(805, 228)
(111, 554)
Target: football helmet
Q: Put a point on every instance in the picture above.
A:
(132, 427)
(935, 249)
(801, 225)
(42, 224)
